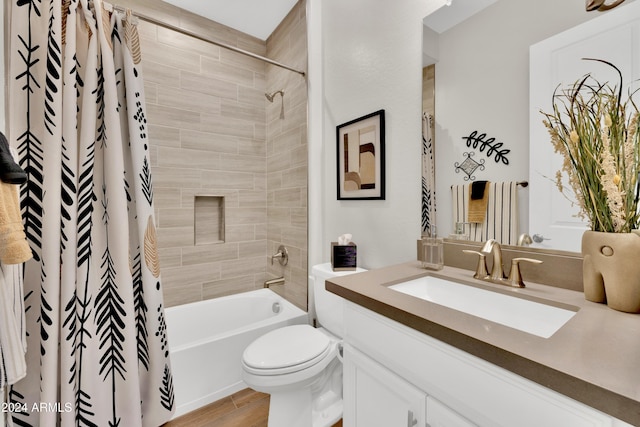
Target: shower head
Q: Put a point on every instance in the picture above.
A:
(271, 96)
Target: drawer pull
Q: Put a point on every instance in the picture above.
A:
(411, 421)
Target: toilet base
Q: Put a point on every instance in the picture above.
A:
(318, 404)
(290, 408)
(294, 409)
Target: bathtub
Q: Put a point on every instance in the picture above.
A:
(207, 339)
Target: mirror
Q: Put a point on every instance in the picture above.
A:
(481, 87)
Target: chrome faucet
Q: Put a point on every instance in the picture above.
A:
(492, 247)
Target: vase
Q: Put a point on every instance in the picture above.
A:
(611, 269)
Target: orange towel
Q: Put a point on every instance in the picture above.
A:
(14, 248)
(478, 207)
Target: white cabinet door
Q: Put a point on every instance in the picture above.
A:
(376, 397)
(613, 37)
(439, 415)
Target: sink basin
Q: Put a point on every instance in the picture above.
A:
(528, 316)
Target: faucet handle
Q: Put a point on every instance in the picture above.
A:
(481, 269)
(515, 277)
(282, 255)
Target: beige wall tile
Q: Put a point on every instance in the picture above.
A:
(205, 84)
(164, 136)
(175, 237)
(191, 274)
(170, 257)
(179, 295)
(170, 157)
(207, 254)
(161, 53)
(252, 249)
(159, 73)
(232, 73)
(172, 117)
(177, 178)
(189, 100)
(227, 180)
(175, 217)
(224, 287)
(216, 123)
(242, 267)
(196, 140)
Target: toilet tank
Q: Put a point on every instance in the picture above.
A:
(328, 306)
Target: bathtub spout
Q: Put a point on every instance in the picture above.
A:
(276, 281)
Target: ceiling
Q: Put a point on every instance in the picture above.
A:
(449, 16)
(255, 17)
(260, 17)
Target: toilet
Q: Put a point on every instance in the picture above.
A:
(300, 366)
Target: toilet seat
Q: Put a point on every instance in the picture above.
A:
(286, 350)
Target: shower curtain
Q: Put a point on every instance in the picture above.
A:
(97, 352)
(428, 178)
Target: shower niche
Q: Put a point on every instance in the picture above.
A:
(209, 219)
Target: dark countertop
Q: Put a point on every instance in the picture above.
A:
(594, 358)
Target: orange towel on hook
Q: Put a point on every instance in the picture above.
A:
(14, 248)
(478, 205)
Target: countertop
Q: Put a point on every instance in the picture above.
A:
(594, 358)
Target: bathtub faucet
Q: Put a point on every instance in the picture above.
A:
(276, 281)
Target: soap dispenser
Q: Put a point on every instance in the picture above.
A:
(432, 251)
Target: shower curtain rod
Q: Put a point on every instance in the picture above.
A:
(205, 39)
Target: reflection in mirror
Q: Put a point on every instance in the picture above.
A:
(480, 83)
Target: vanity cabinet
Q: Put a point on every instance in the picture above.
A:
(378, 397)
(397, 376)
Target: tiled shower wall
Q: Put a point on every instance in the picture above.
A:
(208, 118)
(287, 155)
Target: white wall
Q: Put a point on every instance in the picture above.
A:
(482, 83)
(371, 59)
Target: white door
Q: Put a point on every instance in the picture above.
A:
(376, 397)
(614, 37)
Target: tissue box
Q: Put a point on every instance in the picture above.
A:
(343, 257)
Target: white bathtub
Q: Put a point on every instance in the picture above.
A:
(207, 339)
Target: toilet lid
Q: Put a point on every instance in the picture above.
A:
(297, 346)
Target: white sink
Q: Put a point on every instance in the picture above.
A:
(528, 316)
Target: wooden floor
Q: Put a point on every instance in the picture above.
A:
(246, 408)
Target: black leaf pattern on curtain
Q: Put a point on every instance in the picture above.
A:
(141, 310)
(45, 311)
(17, 400)
(426, 202)
(166, 391)
(102, 128)
(67, 193)
(147, 185)
(110, 313)
(30, 150)
(69, 321)
(109, 317)
(127, 187)
(54, 70)
(86, 200)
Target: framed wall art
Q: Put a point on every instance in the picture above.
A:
(360, 158)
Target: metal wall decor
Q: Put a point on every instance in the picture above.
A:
(600, 5)
(469, 166)
(482, 143)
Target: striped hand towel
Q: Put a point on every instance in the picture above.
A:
(501, 219)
